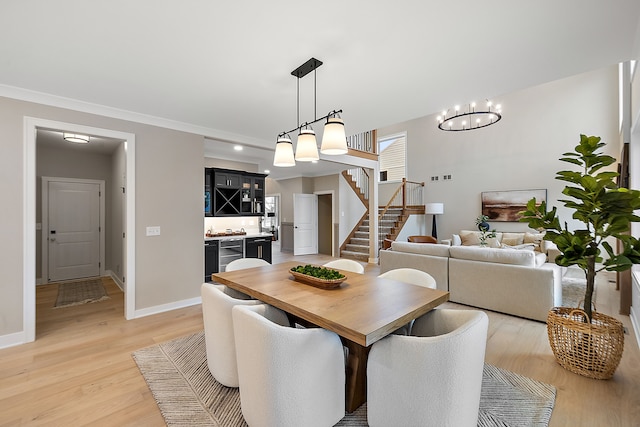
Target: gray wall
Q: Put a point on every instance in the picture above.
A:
(169, 182)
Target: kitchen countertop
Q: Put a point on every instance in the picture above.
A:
(241, 236)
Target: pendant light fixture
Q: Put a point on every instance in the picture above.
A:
(307, 149)
(470, 117)
(284, 153)
(334, 141)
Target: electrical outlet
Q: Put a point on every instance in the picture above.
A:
(446, 177)
(153, 231)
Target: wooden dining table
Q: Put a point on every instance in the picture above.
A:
(362, 310)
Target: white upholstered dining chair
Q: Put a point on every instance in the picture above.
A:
(288, 376)
(432, 377)
(345, 264)
(411, 275)
(241, 264)
(218, 332)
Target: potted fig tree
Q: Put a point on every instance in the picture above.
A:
(583, 340)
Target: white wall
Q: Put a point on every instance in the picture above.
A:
(351, 209)
(519, 152)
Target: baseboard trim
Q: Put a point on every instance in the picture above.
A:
(115, 279)
(167, 307)
(635, 323)
(12, 340)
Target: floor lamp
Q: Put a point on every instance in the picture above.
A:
(434, 209)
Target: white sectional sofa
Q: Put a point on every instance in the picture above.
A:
(512, 281)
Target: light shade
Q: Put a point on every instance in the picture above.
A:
(74, 137)
(284, 153)
(434, 208)
(334, 140)
(307, 148)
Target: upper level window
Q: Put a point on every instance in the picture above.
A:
(393, 157)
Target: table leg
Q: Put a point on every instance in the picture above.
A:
(356, 372)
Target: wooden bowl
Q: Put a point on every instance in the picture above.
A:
(314, 281)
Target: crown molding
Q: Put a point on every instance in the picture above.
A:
(116, 113)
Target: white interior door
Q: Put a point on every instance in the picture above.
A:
(305, 224)
(73, 230)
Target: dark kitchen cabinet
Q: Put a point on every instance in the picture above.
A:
(233, 193)
(227, 179)
(252, 195)
(258, 247)
(226, 193)
(211, 251)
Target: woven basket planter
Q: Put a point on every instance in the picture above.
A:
(589, 349)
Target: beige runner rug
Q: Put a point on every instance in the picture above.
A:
(188, 395)
(80, 292)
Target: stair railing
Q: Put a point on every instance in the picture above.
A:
(365, 141)
(361, 178)
(407, 195)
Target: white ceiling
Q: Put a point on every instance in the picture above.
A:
(222, 68)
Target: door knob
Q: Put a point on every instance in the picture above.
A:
(52, 239)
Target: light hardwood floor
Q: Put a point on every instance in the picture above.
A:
(79, 371)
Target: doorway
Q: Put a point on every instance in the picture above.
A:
(126, 180)
(325, 224)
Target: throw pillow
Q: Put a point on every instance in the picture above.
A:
(455, 240)
(535, 238)
(469, 238)
(513, 239)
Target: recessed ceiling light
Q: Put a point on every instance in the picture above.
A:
(237, 147)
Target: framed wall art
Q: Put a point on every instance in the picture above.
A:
(506, 206)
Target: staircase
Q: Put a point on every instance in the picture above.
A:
(391, 218)
(388, 227)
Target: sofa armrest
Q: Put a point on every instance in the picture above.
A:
(445, 242)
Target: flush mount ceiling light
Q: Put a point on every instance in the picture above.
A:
(469, 117)
(74, 137)
(334, 140)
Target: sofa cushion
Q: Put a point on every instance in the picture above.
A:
(500, 256)
(525, 246)
(512, 239)
(433, 249)
(541, 259)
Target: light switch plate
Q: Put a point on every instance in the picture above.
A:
(153, 231)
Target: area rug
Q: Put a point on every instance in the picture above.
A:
(188, 395)
(574, 283)
(80, 292)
